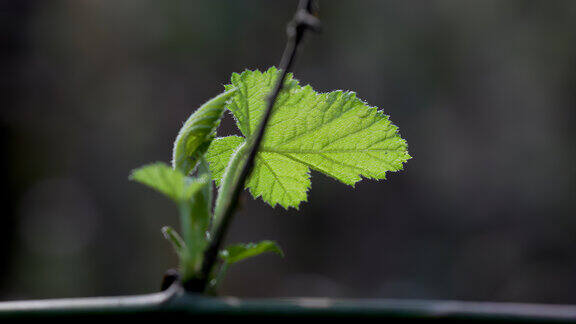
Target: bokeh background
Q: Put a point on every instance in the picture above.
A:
(484, 92)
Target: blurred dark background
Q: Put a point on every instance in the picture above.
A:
(484, 92)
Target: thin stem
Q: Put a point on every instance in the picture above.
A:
(303, 20)
(186, 269)
(171, 235)
(217, 278)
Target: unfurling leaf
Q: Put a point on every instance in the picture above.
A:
(198, 131)
(334, 133)
(239, 252)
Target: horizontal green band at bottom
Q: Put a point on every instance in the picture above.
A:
(176, 303)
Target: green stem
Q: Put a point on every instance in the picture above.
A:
(195, 217)
(241, 164)
(186, 257)
(229, 183)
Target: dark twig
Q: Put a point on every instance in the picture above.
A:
(303, 20)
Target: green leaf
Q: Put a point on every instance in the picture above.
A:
(239, 252)
(254, 87)
(172, 183)
(198, 131)
(335, 133)
(219, 154)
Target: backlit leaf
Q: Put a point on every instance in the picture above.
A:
(335, 133)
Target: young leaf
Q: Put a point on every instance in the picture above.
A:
(198, 131)
(172, 183)
(334, 133)
(254, 87)
(219, 154)
(239, 252)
